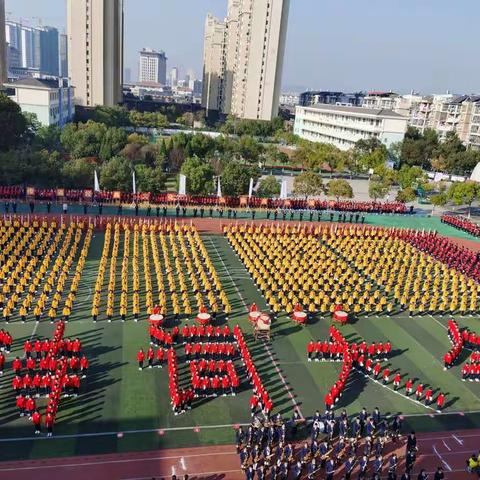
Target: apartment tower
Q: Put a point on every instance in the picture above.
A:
(95, 50)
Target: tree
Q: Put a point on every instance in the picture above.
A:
(463, 193)
(409, 176)
(308, 184)
(235, 178)
(249, 149)
(373, 160)
(418, 149)
(406, 195)
(138, 139)
(112, 143)
(150, 179)
(378, 189)
(48, 138)
(116, 174)
(438, 200)
(367, 146)
(340, 188)
(83, 139)
(78, 173)
(199, 176)
(269, 187)
(13, 125)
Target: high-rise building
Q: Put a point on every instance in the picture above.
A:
(254, 35)
(152, 66)
(213, 65)
(174, 77)
(95, 50)
(63, 55)
(3, 46)
(32, 49)
(49, 51)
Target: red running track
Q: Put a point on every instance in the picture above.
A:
(447, 449)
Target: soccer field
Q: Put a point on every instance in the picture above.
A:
(121, 409)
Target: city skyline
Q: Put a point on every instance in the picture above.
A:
(396, 54)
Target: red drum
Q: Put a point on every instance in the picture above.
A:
(204, 318)
(254, 316)
(156, 319)
(341, 317)
(300, 317)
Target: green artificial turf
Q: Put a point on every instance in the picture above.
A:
(117, 398)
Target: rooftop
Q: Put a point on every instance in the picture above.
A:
(379, 112)
(41, 83)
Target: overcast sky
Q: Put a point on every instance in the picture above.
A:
(428, 45)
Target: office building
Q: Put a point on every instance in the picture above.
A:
(289, 99)
(63, 52)
(3, 45)
(250, 58)
(152, 67)
(51, 100)
(95, 50)
(49, 51)
(214, 44)
(174, 77)
(343, 126)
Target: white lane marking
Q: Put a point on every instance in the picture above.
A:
(446, 446)
(110, 462)
(200, 474)
(447, 466)
(183, 464)
(460, 442)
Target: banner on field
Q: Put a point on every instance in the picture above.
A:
(171, 197)
(60, 192)
(243, 201)
(87, 194)
(182, 185)
(264, 202)
(311, 204)
(117, 195)
(30, 191)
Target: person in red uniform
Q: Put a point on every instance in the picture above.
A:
(329, 401)
(20, 402)
(30, 406)
(396, 381)
(368, 365)
(27, 347)
(160, 356)
(84, 366)
(376, 369)
(440, 401)
(150, 357)
(253, 405)
(428, 396)
(225, 385)
(17, 366)
(37, 422)
(386, 375)
(419, 391)
(49, 421)
(408, 387)
(140, 358)
(387, 349)
(447, 360)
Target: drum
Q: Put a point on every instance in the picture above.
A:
(264, 322)
(156, 319)
(254, 316)
(300, 317)
(203, 318)
(341, 317)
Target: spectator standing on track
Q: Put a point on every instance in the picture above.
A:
(439, 475)
(423, 475)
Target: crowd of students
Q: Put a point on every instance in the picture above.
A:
(364, 445)
(36, 260)
(367, 360)
(214, 377)
(190, 277)
(52, 368)
(462, 223)
(456, 339)
(460, 258)
(372, 270)
(75, 195)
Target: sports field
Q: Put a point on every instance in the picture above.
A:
(121, 409)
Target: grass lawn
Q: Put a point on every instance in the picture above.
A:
(117, 398)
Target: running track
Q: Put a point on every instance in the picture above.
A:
(448, 449)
